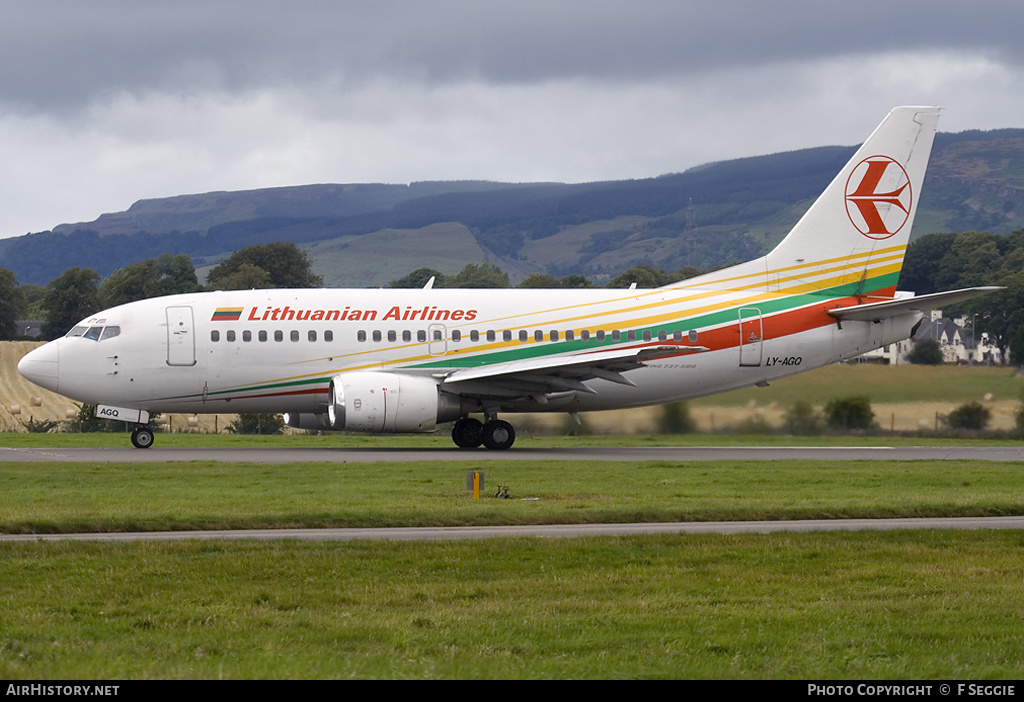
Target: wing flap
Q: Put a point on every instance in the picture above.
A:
(557, 372)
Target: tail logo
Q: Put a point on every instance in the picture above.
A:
(878, 197)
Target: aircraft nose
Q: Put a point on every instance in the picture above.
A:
(42, 366)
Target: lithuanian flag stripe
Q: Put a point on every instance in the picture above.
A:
(227, 314)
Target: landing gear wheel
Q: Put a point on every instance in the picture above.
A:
(142, 437)
(499, 435)
(468, 433)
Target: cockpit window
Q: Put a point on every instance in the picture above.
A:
(98, 333)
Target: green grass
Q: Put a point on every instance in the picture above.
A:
(881, 384)
(902, 605)
(909, 605)
(42, 497)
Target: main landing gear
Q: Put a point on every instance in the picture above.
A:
(495, 434)
(142, 437)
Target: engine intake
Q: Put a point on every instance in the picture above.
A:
(378, 402)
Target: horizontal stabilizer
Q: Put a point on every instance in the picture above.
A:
(877, 311)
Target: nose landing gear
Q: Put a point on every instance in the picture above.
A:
(142, 437)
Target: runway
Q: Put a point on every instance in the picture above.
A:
(539, 530)
(633, 454)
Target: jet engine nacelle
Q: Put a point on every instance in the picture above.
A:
(373, 401)
(307, 420)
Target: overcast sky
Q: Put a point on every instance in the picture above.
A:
(105, 102)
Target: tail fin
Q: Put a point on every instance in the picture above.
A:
(857, 231)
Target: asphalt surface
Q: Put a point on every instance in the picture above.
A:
(374, 455)
(541, 531)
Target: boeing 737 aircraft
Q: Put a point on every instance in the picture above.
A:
(390, 360)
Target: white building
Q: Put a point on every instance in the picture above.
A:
(955, 338)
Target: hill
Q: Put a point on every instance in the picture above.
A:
(369, 234)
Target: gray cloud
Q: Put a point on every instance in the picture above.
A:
(64, 54)
(106, 102)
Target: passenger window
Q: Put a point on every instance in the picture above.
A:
(693, 335)
(456, 336)
(647, 334)
(631, 335)
(376, 335)
(506, 335)
(569, 335)
(523, 336)
(538, 335)
(360, 336)
(230, 336)
(311, 335)
(437, 335)
(554, 335)
(214, 335)
(600, 335)
(262, 335)
(474, 335)
(329, 336)
(490, 335)
(392, 336)
(406, 335)
(616, 335)
(585, 335)
(278, 335)
(294, 335)
(247, 336)
(662, 336)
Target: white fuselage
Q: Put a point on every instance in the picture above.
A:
(277, 350)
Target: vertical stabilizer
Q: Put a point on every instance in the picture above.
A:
(855, 234)
(862, 222)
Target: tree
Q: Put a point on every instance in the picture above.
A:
(847, 413)
(12, 305)
(478, 275)
(136, 281)
(540, 280)
(644, 275)
(285, 264)
(177, 275)
(926, 352)
(801, 419)
(418, 278)
(245, 277)
(257, 424)
(70, 298)
(971, 415)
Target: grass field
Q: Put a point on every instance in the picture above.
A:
(910, 606)
(904, 605)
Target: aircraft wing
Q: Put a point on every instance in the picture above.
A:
(561, 373)
(877, 311)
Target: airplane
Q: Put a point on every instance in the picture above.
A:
(392, 360)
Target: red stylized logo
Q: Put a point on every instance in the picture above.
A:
(878, 197)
